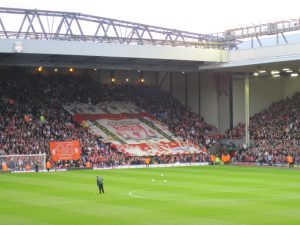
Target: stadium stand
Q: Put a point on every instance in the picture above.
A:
(274, 133)
(31, 115)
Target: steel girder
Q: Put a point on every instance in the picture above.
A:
(254, 32)
(70, 26)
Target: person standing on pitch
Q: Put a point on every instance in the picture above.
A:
(147, 162)
(48, 165)
(290, 160)
(36, 166)
(100, 184)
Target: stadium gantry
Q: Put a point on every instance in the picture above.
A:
(70, 26)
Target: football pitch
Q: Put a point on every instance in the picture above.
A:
(210, 195)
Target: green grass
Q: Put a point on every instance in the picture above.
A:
(222, 195)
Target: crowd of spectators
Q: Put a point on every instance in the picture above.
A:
(161, 105)
(31, 115)
(274, 133)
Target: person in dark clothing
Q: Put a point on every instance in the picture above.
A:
(100, 184)
(36, 166)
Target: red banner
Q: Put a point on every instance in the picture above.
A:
(65, 150)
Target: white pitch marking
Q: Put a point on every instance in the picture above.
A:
(133, 195)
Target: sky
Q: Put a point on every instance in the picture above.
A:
(200, 16)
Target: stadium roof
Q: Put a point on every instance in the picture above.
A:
(152, 47)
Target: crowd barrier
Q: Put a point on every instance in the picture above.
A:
(153, 166)
(114, 167)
